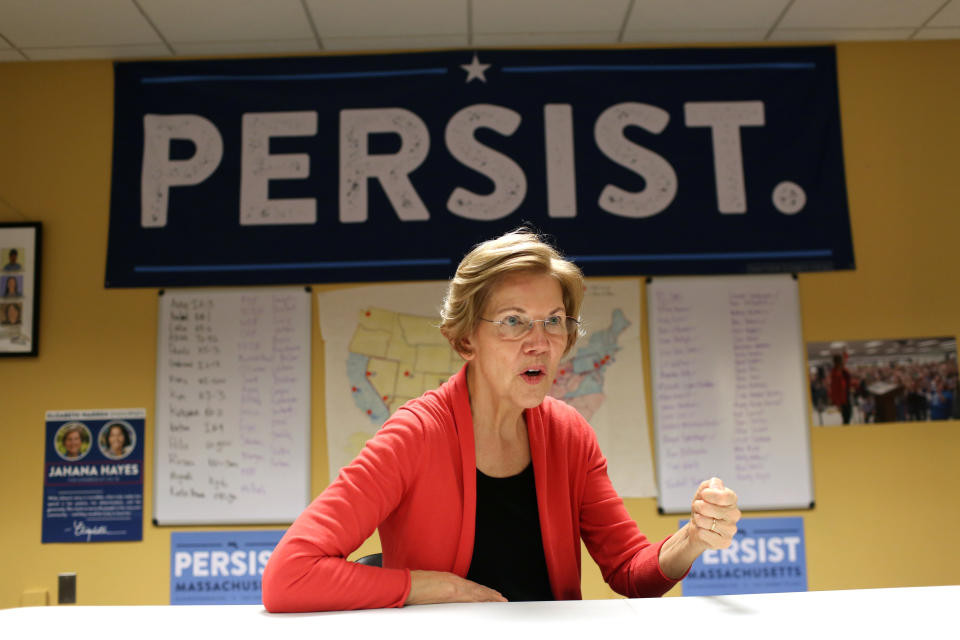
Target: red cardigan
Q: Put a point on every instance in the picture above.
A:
(416, 481)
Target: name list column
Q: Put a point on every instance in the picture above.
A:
(218, 436)
(288, 354)
(196, 390)
(184, 414)
(684, 394)
(755, 404)
(253, 364)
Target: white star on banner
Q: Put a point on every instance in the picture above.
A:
(475, 69)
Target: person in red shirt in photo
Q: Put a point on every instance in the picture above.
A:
(840, 387)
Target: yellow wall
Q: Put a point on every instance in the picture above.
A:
(886, 512)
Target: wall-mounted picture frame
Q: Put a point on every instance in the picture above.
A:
(19, 288)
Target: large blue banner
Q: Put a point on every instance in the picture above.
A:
(767, 555)
(93, 476)
(389, 167)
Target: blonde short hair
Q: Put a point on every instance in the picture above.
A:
(522, 250)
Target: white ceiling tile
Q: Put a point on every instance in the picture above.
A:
(73, 23)
(303, 45)
(548, 16)
(228, 20)
(105, 52)
(836, 35)
(544, 39)
(949, 17)
(939, 33)
(858, 14)
(395, 44)
(684, 15)
(52, 29)
(697, 35)
(361, 18)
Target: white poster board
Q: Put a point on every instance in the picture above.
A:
(233, 406)
(729, 390)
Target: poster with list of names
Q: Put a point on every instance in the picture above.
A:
(729, 390)
(233, 406)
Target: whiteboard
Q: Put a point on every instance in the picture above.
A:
(233, 406)
(729, 390)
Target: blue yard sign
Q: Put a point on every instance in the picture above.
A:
(219, 567)
(767, 555)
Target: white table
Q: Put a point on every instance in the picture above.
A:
(819, 615)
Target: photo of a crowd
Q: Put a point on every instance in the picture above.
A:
(873, 381)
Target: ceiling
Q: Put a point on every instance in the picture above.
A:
(118, 29)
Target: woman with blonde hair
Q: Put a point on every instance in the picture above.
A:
(483, 488)
(74, 445)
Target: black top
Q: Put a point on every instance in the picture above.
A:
(508, 547)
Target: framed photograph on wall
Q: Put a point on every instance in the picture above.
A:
(19, 288)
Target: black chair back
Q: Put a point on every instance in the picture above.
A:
(374, 560)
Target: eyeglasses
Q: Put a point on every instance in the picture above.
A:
(516, 326)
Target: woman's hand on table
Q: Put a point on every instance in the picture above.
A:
(431, 587)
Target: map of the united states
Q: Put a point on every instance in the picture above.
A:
(394, 357)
